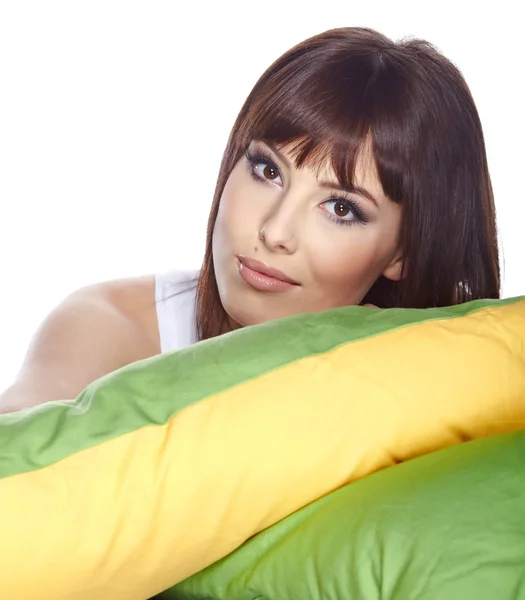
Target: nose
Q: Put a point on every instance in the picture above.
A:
(279, 230)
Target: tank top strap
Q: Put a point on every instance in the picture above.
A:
(175, 297)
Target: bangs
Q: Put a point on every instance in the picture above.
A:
(330, 114)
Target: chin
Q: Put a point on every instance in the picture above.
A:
(247, 319)
(240, 318)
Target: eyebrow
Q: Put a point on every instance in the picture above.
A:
(353, 189)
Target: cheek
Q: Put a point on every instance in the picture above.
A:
(236, 217)
(344, 266)
(343, 259)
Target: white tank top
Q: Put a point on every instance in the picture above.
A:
(175, 296)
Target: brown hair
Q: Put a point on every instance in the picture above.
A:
(329, 94)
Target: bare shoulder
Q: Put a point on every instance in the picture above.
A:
(93, 331)
(133, 299)
(126, 304)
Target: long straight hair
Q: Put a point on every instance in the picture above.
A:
(329, 95)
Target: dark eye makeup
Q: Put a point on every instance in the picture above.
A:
(260, 156)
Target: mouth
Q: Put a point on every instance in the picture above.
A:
(263, 277)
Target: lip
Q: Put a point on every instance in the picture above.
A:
(263, 277)
(256, 265)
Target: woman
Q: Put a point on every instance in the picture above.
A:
(355, 173)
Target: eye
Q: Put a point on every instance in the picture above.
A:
(267, 171)
(341, 208)
(344, 211)
(262, 168)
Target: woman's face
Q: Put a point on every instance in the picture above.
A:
(289, 241)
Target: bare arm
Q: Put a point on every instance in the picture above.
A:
(85, 337)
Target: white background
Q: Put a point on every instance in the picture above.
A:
(114, 116)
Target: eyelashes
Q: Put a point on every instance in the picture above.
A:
(262, 157)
